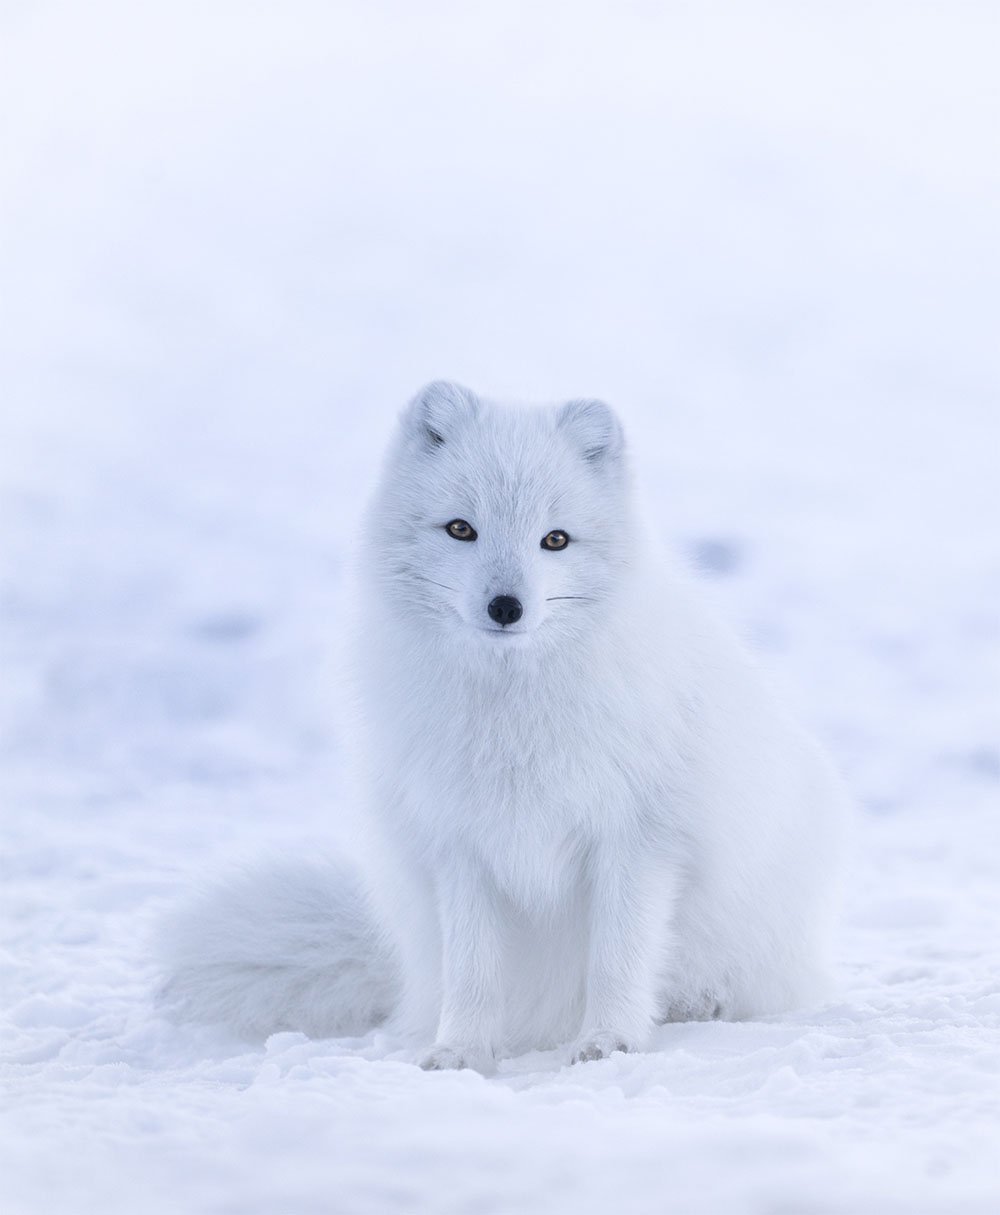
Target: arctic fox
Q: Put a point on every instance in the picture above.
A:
(590, 817)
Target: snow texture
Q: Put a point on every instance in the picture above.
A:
(235, 241)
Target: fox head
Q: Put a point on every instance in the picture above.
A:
(502, 526)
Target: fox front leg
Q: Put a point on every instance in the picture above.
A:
(630, 911)
(471, 978)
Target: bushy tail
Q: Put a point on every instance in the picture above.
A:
(295, 946)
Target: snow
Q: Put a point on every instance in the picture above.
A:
(236, 239)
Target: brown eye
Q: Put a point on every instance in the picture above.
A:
(461, 530)
(554, 541)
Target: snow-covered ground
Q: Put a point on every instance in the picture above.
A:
(235, 238)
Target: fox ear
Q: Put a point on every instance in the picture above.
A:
(594, 428)
(437, 409)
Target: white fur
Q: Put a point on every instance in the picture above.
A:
(590, 821)
(290, 946)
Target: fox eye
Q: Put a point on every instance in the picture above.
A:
(554, 541)
(461, 530)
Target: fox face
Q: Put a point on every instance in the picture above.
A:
(511, 524)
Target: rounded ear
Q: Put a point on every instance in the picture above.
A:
(594, 428)
(438, 409)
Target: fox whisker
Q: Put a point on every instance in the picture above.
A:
(423, 577)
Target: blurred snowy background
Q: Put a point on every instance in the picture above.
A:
(234, 239)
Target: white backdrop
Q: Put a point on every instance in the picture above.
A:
(234, 238)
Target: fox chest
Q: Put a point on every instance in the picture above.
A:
(527, 777)
(528, 815)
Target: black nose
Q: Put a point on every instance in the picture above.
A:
(505, 609)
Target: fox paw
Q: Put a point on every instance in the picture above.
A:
(442, 1059)
(599, 1045)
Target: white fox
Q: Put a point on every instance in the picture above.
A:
(589, 815)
